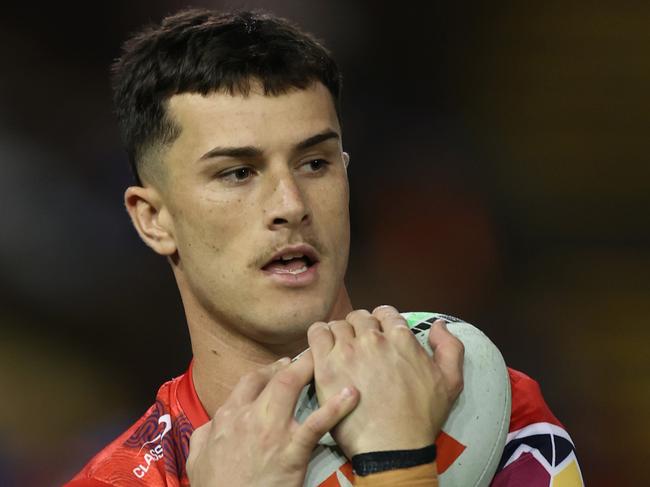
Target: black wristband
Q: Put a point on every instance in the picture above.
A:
(380, 461)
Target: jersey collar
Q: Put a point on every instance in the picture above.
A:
(189, 400)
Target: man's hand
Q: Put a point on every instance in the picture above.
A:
(405, 394)
(253, 439)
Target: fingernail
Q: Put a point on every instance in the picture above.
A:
(442, 323)
(347, 392)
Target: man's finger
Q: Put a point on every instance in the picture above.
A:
(320, 339)
(362, 322)
(252, 384)
(342, 331)
(198, 438)
(389, 318)
(448, 355)
(279, 397)
(325, 418)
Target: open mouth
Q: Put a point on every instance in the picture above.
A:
(291, 263)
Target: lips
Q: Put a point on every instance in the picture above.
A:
(294, 259)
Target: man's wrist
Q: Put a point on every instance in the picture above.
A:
(380, 461)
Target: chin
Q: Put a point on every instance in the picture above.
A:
(288, 324)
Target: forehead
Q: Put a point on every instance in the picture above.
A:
(270, 122)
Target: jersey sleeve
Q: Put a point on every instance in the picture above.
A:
(419, 476)
(539, 451)
(152, 452)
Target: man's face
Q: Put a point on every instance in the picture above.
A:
(251, 179)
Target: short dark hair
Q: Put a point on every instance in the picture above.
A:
(201, 51)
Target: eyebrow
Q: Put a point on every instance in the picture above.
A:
(250, 151)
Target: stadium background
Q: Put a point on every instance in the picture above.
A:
(499, 173)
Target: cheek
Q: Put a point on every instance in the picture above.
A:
(333, 210)
(341, 207)
(211, 229)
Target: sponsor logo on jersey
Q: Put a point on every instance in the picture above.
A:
(155, 453)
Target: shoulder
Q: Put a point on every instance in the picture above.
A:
(537, 446)
(528, 404)
(146, 453)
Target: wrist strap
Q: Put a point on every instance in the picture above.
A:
(380, 461)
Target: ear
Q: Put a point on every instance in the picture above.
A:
(346, 160)
(151, 219)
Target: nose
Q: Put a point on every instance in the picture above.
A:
(287, 207)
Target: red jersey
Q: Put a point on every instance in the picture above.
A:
(153, 452)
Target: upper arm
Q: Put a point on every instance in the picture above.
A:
(538, 450)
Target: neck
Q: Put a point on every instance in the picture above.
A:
(222, 356)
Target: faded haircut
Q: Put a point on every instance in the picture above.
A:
(202, 51)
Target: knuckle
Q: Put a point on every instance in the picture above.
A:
(340, 327)
(356, 314)
(403, 332)
(397, 319)
(374, 336)
(288, 462)
(317, 327)
(457, 387)
(251, 378)
(337, 323)
(315, 426)
(267, 438)
(384, 310)
(372, 320)
(247, 416)
(287, 379)
(347, 351)
(325, 376)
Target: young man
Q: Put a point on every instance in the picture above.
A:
(232, 127)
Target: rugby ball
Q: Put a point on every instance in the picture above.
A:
(473, 437)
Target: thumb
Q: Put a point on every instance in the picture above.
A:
(325, 418)
(448, 355)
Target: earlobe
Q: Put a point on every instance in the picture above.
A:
(151, 219)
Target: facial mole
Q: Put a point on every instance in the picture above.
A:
(215, 352)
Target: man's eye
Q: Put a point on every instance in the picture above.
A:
(237, 175)
(316, 165)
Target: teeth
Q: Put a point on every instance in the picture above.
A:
(299, 271)
(293, 272)
(291, 256)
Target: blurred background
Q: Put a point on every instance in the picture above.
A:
(500, 173)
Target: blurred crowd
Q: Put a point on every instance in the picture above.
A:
(499, 173)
